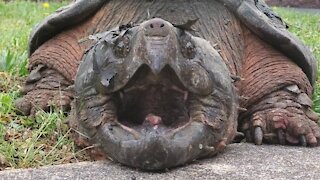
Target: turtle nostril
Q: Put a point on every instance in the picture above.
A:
(156, 27)
(152, 26)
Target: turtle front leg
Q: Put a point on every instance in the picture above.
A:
(52, 71)
(43, 88)
(277, 99)
(283, 117)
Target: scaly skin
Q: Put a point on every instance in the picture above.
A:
(48, 88)
(278, 98)
(283, 117)
(53, 67)
(276, 91)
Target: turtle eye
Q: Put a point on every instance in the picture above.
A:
(188, 48)
(121, 47)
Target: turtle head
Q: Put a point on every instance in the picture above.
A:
(153, 96)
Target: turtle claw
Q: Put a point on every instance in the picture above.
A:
(239, 136)
(248, 136)
(282, 126)
(281, 137)
(296, 130)
(258, 135)
(303, 141)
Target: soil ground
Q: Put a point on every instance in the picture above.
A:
(295, 3)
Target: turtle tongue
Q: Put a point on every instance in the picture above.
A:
(153, 120)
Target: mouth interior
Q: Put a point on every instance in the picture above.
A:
(153, 102)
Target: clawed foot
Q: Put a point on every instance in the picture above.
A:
(293, 124)
(44, 88)
(283, 127)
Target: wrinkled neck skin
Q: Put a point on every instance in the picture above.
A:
(168, 95)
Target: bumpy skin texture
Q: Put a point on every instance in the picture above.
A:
(273, 73)
(52, 70)
(50, 90)
(163, 66)
(285, 114)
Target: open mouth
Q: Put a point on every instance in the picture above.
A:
(154, 126)
(153, 103)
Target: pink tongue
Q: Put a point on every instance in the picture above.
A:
(153, 120)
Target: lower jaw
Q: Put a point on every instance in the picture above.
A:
(157, 151)
(154, 149)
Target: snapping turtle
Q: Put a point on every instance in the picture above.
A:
(159, 92)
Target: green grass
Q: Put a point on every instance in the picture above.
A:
(17, 21)
(46, 140)
(26, 142)
(304, 25)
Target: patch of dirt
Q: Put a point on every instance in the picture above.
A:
(295, 3)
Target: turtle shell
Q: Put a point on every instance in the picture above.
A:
(267, 25)
(62, 19)
(255, 14)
